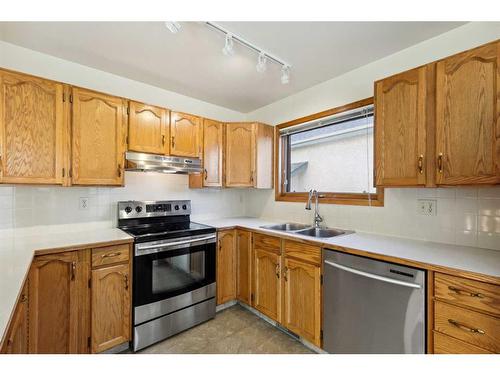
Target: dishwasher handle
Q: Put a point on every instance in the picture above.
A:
(372, 276)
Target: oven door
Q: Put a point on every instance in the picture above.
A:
(170, 268)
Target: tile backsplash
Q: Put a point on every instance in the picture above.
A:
(465, 216)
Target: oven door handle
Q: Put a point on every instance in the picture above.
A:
(142, 250)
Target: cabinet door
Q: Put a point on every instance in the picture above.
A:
(240, 155)
(31, 130)
(468, 117)
(401, 129)
(185, 134)
(58, 302)
(17, 334)
(98, 138)
(148, 129)
(212, 152)
(111, 307)
(302, 299)
(264, 156)
(244, 266)
(267, 283)
(226, 267)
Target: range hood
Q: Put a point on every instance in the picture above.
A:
(140, 162)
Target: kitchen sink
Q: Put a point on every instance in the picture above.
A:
(287, 227)
(322, 232)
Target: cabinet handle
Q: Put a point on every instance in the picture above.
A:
(251, 177)
(463, 291)
(205, 172)
(440, 162)
(163, 140)
(73, 270)
(465, 327)
(173, 141)
(119, 170)
(285, 274)
(24, 297)
(111, 255)
(63, 172)
(220, 246)
(278, 270)
(421, 164)
(126, 282)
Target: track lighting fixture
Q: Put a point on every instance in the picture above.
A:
(261, 62)
(173, 26)
(285, 74)
(228, 49)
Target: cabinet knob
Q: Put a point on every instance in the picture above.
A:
(278, 271)
(163, 140)
(173, 141)
(440, 162)
(421, 164)
(119, 170)
(126, 282)
(73, 270)
(205, 173)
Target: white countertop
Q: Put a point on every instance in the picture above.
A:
(17, 249)
(471, 259)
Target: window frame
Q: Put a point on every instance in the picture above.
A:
(356, 199)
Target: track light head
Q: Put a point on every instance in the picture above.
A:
(285, 74)
(173, 26)
(228, 49)
(261, 63)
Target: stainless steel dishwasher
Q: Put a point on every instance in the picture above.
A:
(371, 306)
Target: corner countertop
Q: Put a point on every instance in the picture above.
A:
(18, 247)
(424, 253)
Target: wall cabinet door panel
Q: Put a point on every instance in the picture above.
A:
(148, 129)
(185, 134)
(31, 130)
(267, 283)
(16, 339)
(111, 307)
(226, 267)
(98, 138)
(244, 266)
(212, 152)
(401, 129)
(468, 117)
(240, 154)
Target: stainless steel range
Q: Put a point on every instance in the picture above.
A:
(174, 268)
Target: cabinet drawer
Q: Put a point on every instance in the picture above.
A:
(110, 255)
(467, 325)
(268, 243)
(467, 292)
(303, 251)
(444, 344)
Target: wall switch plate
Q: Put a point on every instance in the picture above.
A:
(427, 207)
(84, 204)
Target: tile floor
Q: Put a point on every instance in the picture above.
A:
(232, 331)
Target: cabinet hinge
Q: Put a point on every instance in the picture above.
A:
(63, 172)
(321, 335)
(64, 97)
(88, 343)
(321, 279)
(71, 98)
(90, 283)
(126, 139)
(70, 172)
(251, 297)
(128, 110)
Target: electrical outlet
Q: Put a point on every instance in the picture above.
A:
(84, 204)
(427, 207)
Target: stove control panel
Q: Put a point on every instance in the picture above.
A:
(138, 209)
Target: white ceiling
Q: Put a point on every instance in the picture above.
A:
(191, 63)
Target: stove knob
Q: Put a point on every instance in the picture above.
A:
(184, 207)
(138, 209)
(128, 209)
(176, 207)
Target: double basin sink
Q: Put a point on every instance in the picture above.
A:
(307, 230)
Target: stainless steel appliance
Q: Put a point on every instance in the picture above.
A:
(141, 162)
(371, 306)
(173, 268)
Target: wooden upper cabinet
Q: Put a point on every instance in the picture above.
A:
(58, 296)
(240, 154)
(148, 129)
(267, 283)
(31, 130)
(264, 157)
(98, 138)
(226, 267)
(185, 134)
(401, 129)
(213, 145)
(111, 307)
(468, 117)
(244, 266)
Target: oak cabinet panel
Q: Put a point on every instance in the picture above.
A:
(226, 267)
(302, 299)
(444, 344)
(244, 266)
(98, 138)
(468, 117)
(401, 129)
(111, 307)
(148, 129)
(267, 283)
(16, 339)
(264, 156)
(185, 134)
(213, 146)
(240, 155)
(58, 296)
(31, 130)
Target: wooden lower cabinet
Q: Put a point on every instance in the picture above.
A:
(302, 299)
(17, 334)
(267, 283)
(244, 266)
(111, 322)
(444, 344)
(226, 267)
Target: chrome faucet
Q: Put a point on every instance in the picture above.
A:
(317, 217)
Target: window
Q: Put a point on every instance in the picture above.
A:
(331, 152)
